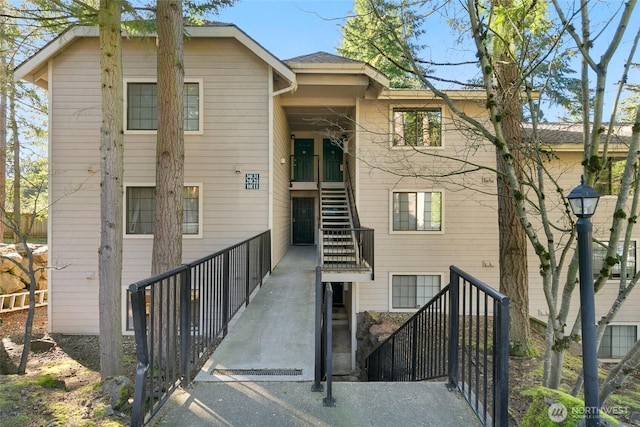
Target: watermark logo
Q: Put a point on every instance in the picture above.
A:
(557, 412)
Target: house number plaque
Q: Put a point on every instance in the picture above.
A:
(251, 181)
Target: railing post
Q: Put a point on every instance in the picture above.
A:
(138, 303)
(501, 354)
(414, 348)
(317, 378)
(328, 325)
(185, 324)
(247, 266)
(454, 319)
(226, 294)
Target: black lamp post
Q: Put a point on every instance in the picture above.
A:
(583, 200)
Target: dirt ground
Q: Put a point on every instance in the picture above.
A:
(62, 385)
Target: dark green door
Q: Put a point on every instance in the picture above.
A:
(303, 160)
(303, 223)
(332, 155)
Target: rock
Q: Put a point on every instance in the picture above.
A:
(635, 417)
(119, 389)
(382, 331)
(371, 317)
(10, 284)
(9, 260)
(40, 255)
(42, 345)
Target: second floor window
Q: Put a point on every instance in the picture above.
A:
(417, 211)
(142, 106)
(417, 127)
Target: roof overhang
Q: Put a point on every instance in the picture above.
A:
(34, 69)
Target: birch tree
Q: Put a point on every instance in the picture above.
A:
(540, 202)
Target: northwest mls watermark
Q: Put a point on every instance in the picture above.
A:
(557, 412)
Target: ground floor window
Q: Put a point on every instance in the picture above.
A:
(617, 341)
(409, 291)
(140, 210)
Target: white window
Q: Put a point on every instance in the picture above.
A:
(417, 127)
(411, 291)
(600, 252)
(617, 341)
(416, 211)
(140, 210)
(142, 106)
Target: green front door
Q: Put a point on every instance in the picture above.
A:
(303, 160)
(332, 160)
(303, 223)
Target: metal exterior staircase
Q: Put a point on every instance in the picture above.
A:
(341, 243)
(339, 247)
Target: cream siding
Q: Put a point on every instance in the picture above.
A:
(469, 217)
(235, 137)
(281, 232)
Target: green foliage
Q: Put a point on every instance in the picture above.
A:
(543, 399)
(380, 33)
(49, 381)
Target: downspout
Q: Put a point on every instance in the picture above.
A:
(292, 87)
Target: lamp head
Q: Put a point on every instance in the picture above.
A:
(583, 200)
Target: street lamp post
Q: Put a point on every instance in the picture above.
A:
(583, 200)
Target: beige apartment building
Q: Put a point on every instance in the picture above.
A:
(317, 142)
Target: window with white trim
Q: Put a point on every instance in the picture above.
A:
(417, 211)
(617, 341)
(600, 252)
(409, 291)
(417, 127)
(142, 106)
(140, 210)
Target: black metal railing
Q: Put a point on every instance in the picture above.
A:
(349, 249)
(180, 315)
(461, 333)
(324, 339)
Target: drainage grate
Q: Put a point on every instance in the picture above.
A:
(249, 372)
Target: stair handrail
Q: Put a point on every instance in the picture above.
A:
(461, 333)
(351, 200)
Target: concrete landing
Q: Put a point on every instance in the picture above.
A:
(284, 404)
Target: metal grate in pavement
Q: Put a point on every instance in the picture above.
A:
(249, 372)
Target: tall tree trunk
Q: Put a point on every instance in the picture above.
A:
(19, 230)
(167, 243)
(111, 203)
(514, 279)
(4, 86)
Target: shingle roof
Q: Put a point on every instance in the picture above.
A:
(571, 133)
(323, 58)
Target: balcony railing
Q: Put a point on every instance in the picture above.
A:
(180, 315)
(304, 169)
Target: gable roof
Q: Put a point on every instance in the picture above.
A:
(34, 68)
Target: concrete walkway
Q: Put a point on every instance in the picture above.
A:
(261, 374)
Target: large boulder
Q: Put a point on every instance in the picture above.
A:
(10, 284)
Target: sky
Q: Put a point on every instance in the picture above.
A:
(289, 28)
